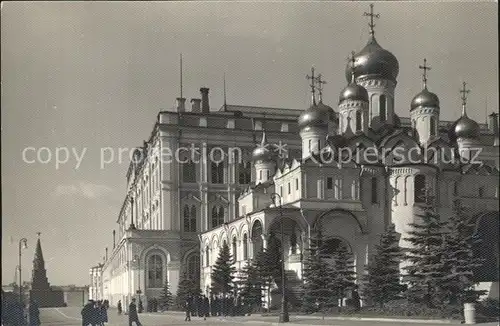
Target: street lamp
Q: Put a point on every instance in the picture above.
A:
(284, 317)
(23, 243)
(137, 259)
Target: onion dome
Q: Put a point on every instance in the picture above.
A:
(262, 153)
(425, 99)
(317, 115)
(374, 62)
(354, 92)
(464, 127)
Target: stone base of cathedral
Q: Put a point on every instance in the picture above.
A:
(48, 298)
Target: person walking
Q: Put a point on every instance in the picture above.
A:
(187, 308)
(87, 314)
(119, 307)
(206, 308)
(34, 314)
(133, 317)
(104, 312)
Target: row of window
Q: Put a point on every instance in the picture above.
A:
(216, 172)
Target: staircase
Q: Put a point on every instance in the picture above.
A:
(294, 287)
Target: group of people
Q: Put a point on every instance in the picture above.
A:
(13, 314)
(133, 316)
(220, 305)
(95, 313)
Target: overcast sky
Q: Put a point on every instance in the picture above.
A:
(94, 75)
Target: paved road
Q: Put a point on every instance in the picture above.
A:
(70, 316)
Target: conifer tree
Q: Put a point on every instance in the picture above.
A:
(426, 270)
(251, 286)
(318, 291)
(166, 299)
(223, 272)
(268, 264)
(186, 288)
(381, 283)
(344, 275)
(459, 260)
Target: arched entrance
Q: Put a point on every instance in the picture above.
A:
(257, 237)
(291, 233)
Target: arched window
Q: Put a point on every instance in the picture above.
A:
(245, 247)
(189, 172)
(374, 190)
(382, 108)
(155, 271)
(207, 257)
(257, 238)
(186, 219)
(217, 216)
(235, 250)
(217, 172)
(245, 173)
(433, 126)
(193, 268)
(420, 190)
(358, 121)
(192, 224)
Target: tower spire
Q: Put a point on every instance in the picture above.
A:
(371, 24)
(313, 86)
(425, 67)
(464, 93)
(320, 82)
(352, 61)
(181, 74)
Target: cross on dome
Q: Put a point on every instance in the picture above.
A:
(425, 67)
(313, 85)
(371, 24)
(464, 93)
(320, 82)
(352, 60)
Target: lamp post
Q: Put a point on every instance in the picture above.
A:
(23, 244)
(284, 317)
(137, 259)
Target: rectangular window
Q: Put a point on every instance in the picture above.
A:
(297, 184)
(329, 183)
(289, 188)
(281, 191)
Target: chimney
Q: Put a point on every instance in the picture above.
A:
(205, 106)
(195, 105)
(493, 126)
(114, 239)
(181, 104)
(493, 123)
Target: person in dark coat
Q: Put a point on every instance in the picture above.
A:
(188, 306)
(133, 317)
(87, 313)
(104, 313)
(206, 307)
(119, 307)
(34, 313)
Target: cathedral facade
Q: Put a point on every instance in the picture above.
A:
(240, 173)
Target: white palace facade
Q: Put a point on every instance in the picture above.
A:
(178, 211)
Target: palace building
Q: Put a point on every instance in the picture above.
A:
(205, 177)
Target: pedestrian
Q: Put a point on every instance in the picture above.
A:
(187, 308)
(104, 313)
(206, 308)
(34, 314)
(133, 317)
(119, 307)
(87, 313)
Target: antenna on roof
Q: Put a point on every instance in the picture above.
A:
(225, 103)
(181, 73)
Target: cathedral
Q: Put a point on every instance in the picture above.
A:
(237, 174)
